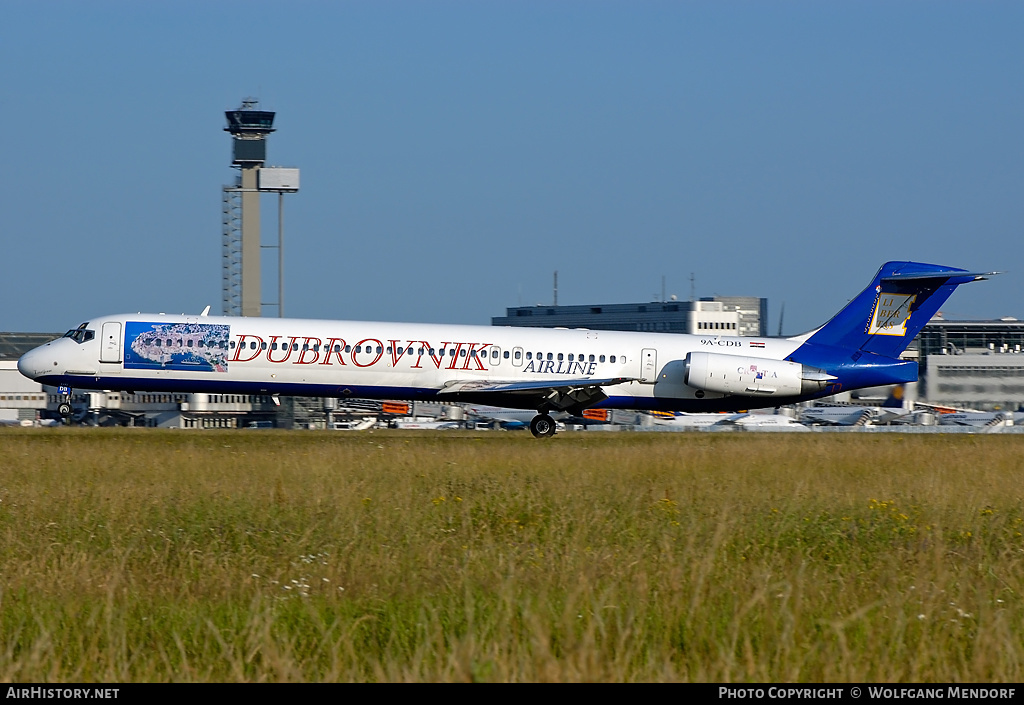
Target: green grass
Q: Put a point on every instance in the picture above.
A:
(140, 555)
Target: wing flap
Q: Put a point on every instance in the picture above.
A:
(572, 395)
(533, 386)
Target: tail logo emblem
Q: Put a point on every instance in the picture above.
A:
(890, 314)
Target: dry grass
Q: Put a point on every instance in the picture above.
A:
(137, 555)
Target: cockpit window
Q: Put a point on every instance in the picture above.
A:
(81, 334)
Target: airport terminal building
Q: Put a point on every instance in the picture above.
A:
(725, 315)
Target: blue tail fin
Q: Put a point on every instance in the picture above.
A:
(892, 310)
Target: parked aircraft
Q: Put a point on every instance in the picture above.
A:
(740, 420)
(541, 369)
(850, 415)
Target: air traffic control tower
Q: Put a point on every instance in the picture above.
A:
(241, 244)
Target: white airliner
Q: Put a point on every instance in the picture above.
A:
(740, 421)
(545, 370)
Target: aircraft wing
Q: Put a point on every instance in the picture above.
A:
(572, 395)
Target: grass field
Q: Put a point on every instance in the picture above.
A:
(139, 555)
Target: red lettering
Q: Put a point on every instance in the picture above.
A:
(439, 358)
(375, 360)
(393, 348)
(241, 347)
(270, 352)
(481, 353)
(309, 347)
(340, 342)
(455, 356)
(424, 346)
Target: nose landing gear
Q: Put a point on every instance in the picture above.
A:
(542, 426)
(64, 407)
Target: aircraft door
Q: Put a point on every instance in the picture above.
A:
(517, 357)
(110, 342)
(649, 365)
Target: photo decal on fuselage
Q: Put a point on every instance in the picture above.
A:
(195, 347)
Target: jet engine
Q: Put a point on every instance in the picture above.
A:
(752, 376)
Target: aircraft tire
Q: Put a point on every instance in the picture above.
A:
(542, 426)
(64, 409)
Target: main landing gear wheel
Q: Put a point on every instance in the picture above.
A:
(542, 426)
(64, 409)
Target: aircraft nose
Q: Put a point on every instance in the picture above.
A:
(30, 364)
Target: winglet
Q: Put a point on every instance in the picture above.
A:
(206, 311)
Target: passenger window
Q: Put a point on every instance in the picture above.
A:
(529, 356)
(611, 359)
(518, 354)
(550, 356)
(263, 346)
(506, 355)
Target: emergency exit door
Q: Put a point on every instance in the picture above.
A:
(649, 365)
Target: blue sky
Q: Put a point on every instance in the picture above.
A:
(455, 154)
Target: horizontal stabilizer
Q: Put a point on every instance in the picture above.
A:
(910, 276)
